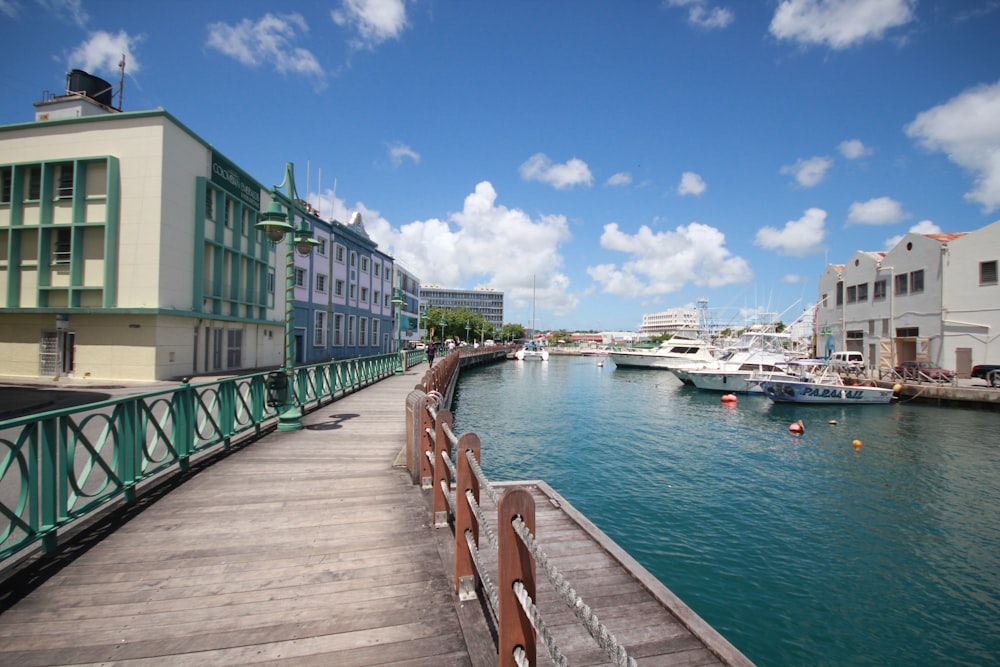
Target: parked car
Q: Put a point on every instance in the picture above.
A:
(988, 372)
(847, 362)
(922, 370)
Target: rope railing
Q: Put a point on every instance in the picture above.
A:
(455, 478)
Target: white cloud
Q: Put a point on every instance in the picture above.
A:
(876, 211)
(102, 53)
(271, 39)
(485, 243)
(792, 279)
(798, 238)
(400, 151)
(853, 149)
(67, 10)
(9, 8)
(922, 227)
(839, 23)
(703, 15)
(691, 184)
(621, 178)
(375, 20)
(663, 262)
(967, 129)
(571, 173)
(810, 172)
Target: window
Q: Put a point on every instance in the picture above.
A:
(902, 281)
(34, 184)
(320, 283)
(852, 294)
(988, 273)
(376, 298)
(375, 324)
(350, 330)
(364, 295)
(879, 291)
(321, 248)
(863, 292)
(340, 253)
(228, 219)
(364, 264)
(376, 269)
(840, 294)
(917, 281)
(363, 336)
(354, 292)
(338, 329)
(354, 259)
(234, 348)
(210, 203)
(823, 301)
(300, 277)
(885, 327)
(387, 301)
(270, 282)
(338, 288)
(855, 334)
(62, 248)
(65, 190)
(245, 222)
(319, 328)
(6, 183)
(871, 327)
(908, 332)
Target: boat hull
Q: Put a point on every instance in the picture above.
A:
(819, 393)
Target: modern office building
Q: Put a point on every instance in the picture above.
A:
(484, 301)
(128, 250)
(410, 330)
(931, 297)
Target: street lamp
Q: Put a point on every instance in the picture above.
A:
(442, 323)
(398, 303)
(276, 226)
(467, 327)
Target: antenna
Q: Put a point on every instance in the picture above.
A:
(121, 82)
(319, 194)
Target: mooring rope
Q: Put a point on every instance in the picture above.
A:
(484, 484)
(481, 518)
(538, 623)
(597, 630)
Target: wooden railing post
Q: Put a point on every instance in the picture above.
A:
(466, 575)
(442, 476)
(426, 441)
(514, 564)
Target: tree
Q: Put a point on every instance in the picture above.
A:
(512, 332)
(560, 335)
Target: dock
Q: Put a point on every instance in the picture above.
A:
(314, 547)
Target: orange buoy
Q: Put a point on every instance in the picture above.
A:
(729, 398)
(798, 428)
(856, 444)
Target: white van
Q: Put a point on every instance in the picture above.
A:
(853, 362)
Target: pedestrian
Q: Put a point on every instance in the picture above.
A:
(430, 349)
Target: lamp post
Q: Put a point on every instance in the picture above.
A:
(467, 327)
(398, 303)
(482, 334)
(442, 323)
(276, 225)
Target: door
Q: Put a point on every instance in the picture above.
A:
(963, 362)
(48, 354)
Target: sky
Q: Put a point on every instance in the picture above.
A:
(595, 160)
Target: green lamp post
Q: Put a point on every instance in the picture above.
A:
(467, 327)
(442, 323)
(398, 302)
(276, 226)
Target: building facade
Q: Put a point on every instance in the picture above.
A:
(484, 301)
(129, 250)
(932, 297)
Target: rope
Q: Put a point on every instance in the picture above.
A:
(597, 630)
(449, 465)
(481, 518)
(484, 575)
(452, 438)
(538, 623)
(449, 497)
(484, 484)
(520, 657)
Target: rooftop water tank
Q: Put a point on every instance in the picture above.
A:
(94, 87)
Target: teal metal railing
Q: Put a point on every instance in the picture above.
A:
(57, 467)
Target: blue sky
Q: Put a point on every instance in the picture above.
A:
(613, 158)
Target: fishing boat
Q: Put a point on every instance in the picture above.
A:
(823, 387)
(532, 352)
(757, 352)
(678, 352)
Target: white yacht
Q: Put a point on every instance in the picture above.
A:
(678, 352)
(755, 353)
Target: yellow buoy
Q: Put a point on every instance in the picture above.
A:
(896, 388)
(856, 444)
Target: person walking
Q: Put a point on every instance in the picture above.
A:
(430, 350)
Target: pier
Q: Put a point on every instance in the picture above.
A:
(316, 547)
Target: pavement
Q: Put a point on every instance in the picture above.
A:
(20, 396)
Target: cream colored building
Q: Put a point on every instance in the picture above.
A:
(128, 250)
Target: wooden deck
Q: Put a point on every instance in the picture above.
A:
(311, 548)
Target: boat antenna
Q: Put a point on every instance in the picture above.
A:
(121, 82)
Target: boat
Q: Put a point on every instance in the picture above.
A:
(823, 387)
(756, 352)
(678, 352)
(532, 352)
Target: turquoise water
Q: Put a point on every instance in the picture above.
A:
(801, 550)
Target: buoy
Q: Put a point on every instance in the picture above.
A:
(856, 444)
(832, 422)
(797, 428)
(729, 398)
(896, 388)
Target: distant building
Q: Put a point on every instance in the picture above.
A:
(932, 297)
(675, 321)
(409, 324)
(484, 301)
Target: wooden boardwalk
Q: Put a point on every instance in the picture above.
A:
(311, 548)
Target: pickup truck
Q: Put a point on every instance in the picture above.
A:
(988, 372)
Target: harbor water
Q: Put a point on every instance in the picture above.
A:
(800, 550)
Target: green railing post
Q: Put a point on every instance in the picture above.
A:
(182, 404)
(48, 509)
(227, 411)
(131, 446)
